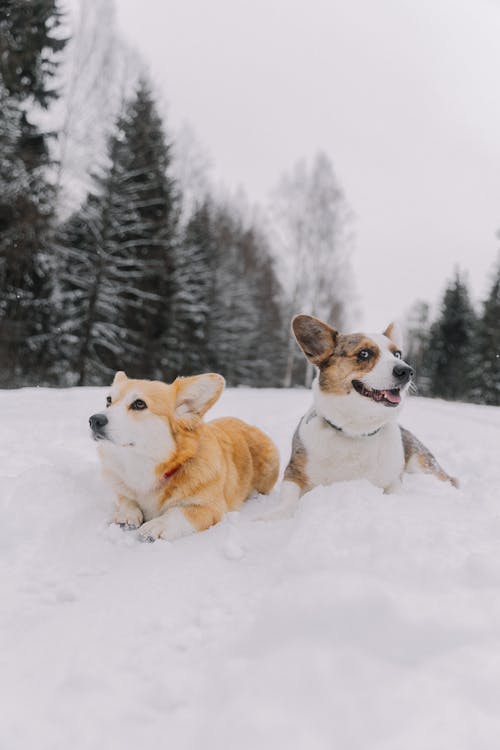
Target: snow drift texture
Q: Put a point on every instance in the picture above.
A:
(366, 621)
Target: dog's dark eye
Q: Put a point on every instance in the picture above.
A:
(138, 405)
(108, 401)
(364, 354)
(398, 355)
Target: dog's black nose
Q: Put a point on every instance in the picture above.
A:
(403, 373)
(97, 422)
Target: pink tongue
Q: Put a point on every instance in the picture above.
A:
(394, 398)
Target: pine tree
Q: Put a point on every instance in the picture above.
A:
(266, 352)
(82, 284)
(29, 43)
(245, 331)
(116, 287)
(186, 350)
(450, 355)
(231, 312)
(148, 235)
(487, 372)
(416, 343)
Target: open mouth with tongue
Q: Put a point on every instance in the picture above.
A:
(389, 397)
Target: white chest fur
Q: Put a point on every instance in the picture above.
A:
(133, 476)
(333, 456)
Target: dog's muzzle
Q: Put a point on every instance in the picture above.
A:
(98, 424)
(403, 374)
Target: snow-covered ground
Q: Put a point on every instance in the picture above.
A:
(366, 621)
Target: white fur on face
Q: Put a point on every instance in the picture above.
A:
(358, 414)
(140, 432)
(352, 412)
(381, 377)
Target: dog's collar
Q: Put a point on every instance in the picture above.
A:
(340, 429)
(171, 471)
(361, 434)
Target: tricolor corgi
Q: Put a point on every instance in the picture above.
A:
(351, 431)
(172, 473)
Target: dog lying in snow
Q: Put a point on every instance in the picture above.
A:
(351, 431)
(172, 473)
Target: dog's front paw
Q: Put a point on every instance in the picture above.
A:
(394, 487)
(128, 516)
(151, 530)
(171, 525)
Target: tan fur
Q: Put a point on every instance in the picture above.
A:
(389, 331)
(215, 466)
(316, 339)
(342, 367)
(230, 460)
(335, 354)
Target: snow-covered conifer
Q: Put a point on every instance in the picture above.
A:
(450, 353)
(486, 384)
(116, 252)
(30, 41)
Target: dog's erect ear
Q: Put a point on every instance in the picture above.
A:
(395, 334)
(316, 339)
(120, 377)
(195, 395)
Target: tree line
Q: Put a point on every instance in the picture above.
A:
(135, 277)
(457, 355)
(144, 273)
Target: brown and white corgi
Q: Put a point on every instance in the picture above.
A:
(351, 431)
(172, 473)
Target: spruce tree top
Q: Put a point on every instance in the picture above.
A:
(29, 40)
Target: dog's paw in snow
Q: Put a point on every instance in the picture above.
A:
(394, 488)
(171, 525)
(128, 515)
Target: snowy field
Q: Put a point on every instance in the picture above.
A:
(365, 622)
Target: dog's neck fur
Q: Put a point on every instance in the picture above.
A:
(350, 414)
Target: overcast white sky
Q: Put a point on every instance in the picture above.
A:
(402, 94)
